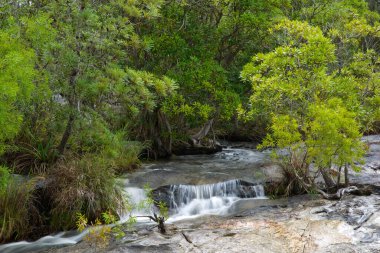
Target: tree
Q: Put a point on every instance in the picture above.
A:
(85, 51)
(203, 45)
(16, 81)
(293, 89)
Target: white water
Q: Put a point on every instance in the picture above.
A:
(190, 201)
(61, 239)
(136, 197)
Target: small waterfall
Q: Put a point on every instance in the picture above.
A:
(136, 197)
(184, 194)
(189, 200)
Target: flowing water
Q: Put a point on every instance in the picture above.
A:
(191, 186)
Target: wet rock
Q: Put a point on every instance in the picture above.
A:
(184, 148)
(375, 165)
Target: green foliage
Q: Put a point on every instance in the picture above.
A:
(99, 234)
(35, 156)
(296, 85)
(81, 222)
(4, 178)
(363, 76)
(332, 135)
(16, 81)
(287, 79)
(284, 133)
(85, 86)
(149, 203)
(203, 45)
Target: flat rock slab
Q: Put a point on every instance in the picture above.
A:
(299, 224)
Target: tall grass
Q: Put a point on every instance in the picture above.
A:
(35, 158)
(83, 185)
(16, 209)
(4, 178)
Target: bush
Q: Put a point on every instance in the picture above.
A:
(35, 158)
(83, 185)
(4, 178)
(124, 155)
(95, 137)
(16, 209)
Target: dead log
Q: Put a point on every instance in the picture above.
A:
(196, 138)
(339, 194)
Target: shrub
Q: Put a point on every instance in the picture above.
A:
(35, 158)
(83, 185)
(95, 137)
(124, 156)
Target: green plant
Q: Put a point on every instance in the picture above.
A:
(35, 158)
(116, 150)
(159, 210)
(16, 209)
(4, 178)
(99, 233)
(83, 185)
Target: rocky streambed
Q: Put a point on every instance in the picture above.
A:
(298, 224)
(218, 205)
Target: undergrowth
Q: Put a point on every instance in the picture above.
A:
(17, 212)
(83, 185)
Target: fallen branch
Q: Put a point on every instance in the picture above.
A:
(339, 194)
(186, 237)
(366, 218)
(159, 220)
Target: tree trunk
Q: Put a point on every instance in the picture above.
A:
(156, 127)
(72, 104)
(66, 135)
(165, 125)
(203, 132)
(338, 179)
(161, 225)
(346, 180)
(327, 178)
(159, 220)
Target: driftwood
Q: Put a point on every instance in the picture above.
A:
(364, 219)
(186, 237)
(339, 194)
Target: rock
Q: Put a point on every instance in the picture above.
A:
(375, 165)
(187, 149)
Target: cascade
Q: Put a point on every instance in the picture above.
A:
(185, 201)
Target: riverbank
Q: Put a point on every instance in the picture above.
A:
(228, 221)
(304, 223)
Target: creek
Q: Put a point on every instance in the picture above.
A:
(218, 204)
(191, 186)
